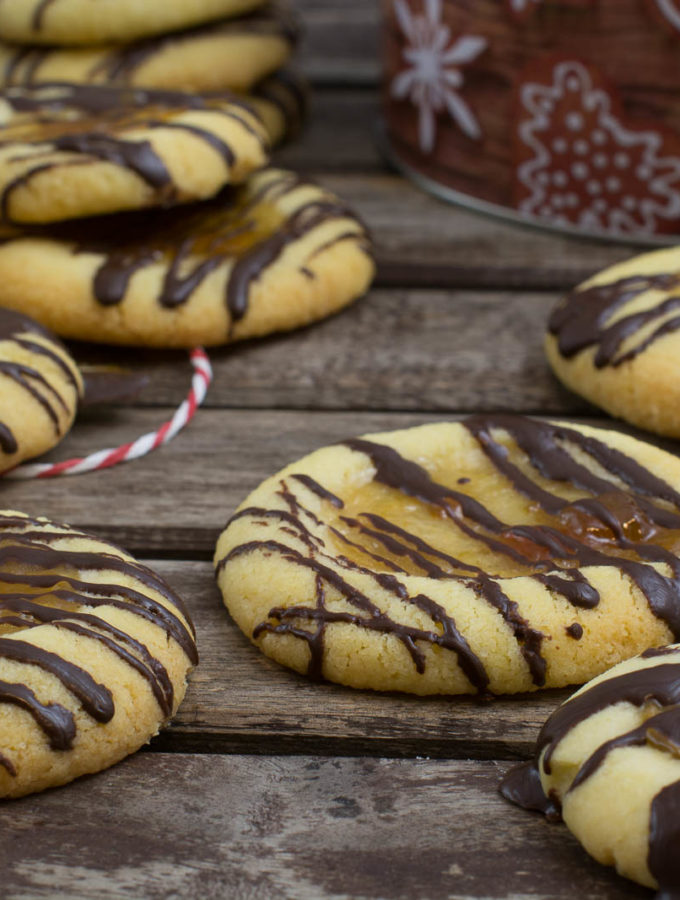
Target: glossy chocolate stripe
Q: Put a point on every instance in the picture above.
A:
(39, 14)
(663, 859)
(147, 665)
(95, 594)
(56, 721)
(23, 375)
(581, 320)
(96, 698)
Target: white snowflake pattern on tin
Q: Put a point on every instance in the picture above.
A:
(433, 77)
(670, 10)
(583, 165)
(523, 6)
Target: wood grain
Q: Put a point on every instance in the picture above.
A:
(341, 41)
(175, 501)
(243, 827)
(240, 701)
(394, 349)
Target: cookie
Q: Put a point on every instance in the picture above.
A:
(108, 21)
(615, 341)
(274, 254)
(136, 149)
(40, 386)
(496, 555)
(609, 760)
(281, 102)
(94, 653)
(229, 55)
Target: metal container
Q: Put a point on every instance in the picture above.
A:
(563, 113)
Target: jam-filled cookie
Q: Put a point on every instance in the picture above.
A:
(116, 21)
(228, 55)
(280, 101)
(273, 254)
(496, 555)
(40, 386)
(608, 760)
(129, 150)
(94, 653)
(615, 341)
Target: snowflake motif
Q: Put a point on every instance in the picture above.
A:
(583, 165)
(669, 11)
(522, 7)
(433, 78)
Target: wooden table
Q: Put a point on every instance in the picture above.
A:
(265, 785)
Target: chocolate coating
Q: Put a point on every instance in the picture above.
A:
(626, 529)
(658, 685)
(40, 585)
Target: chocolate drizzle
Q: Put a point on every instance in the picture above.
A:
(244, 230)
(90, 123)
(119, 64)
(584, 319)
(654, 688)
(37, 588)
(19, 329)
(626, 520)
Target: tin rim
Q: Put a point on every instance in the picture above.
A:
(505, 213)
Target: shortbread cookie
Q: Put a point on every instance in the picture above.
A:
(229, 55)
(615, 341)
(609, 760)
(272, 255)
(40, 386)
(281, 102)
(140, 149)
(94, 653)
(500, 554)
(107, 21)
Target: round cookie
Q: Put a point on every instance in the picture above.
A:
(108, 21)
(94, 653)
(229, 55)
(281, 102)
(496, 555)
(136, 149)
(40, 386)
(608, 760)
(615, 341)
(274, 254)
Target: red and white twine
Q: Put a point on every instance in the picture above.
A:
(103, 459)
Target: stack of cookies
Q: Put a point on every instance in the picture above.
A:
(206, 46)
(135, 199)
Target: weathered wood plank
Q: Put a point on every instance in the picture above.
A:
(394, 349)
(338, 135)
(241, 827)
(176, 500)
(341, 41)
(423, 241)
(240, 701)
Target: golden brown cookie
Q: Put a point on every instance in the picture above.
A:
(40, 386)
(227, 55)
(615, 341)
(69, 151)
(500, 554)
(94, 653)
(608, 760)
(281, 102)
(108, 21)
(277, 253)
